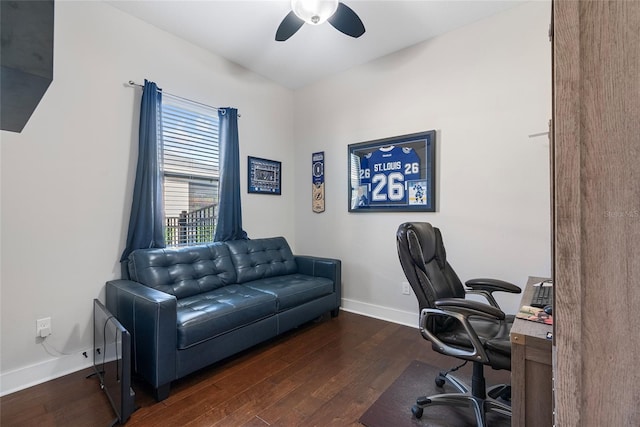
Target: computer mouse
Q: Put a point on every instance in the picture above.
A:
(548, 309)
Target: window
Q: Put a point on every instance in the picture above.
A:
(191, 168)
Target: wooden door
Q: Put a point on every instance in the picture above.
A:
(596, 127)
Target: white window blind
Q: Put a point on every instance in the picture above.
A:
(191, 168)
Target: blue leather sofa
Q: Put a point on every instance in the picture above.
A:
(189, 307)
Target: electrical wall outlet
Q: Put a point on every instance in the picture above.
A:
(43, 327)
(406, 288)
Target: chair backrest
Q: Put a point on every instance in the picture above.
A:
(424, 261)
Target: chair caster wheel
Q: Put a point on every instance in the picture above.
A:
(416, 411)
(440, 380)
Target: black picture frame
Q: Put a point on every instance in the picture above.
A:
(396, 174)
(264, 176)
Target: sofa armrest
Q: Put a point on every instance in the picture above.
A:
(150, 316)
(322, 267)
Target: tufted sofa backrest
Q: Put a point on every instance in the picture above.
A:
(261, 258)
(183, 271)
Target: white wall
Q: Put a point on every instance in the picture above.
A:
(484, 88)
(67, 178)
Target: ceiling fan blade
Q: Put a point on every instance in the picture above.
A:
(345, 20)
(288, 27)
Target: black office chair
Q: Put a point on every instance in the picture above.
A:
(465, 329)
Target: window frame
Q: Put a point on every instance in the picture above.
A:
(190, 159)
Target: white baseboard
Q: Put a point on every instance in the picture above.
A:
(39, 373)
(401, 317)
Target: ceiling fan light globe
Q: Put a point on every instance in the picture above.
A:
(314, 12)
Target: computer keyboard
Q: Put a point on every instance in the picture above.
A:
(542, 295)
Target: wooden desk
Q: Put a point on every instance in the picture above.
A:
(531, 369)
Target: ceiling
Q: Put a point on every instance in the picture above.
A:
(243, 31)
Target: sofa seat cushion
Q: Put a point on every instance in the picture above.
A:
(222, 310)
(293, 289)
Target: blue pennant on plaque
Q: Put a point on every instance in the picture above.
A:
(317, 178)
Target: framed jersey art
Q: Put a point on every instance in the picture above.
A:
(393, 174)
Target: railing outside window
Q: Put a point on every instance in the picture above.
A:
(191, 227)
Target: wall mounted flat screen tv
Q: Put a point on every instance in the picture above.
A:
(112, 361)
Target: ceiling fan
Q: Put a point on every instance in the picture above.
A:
(316, 12)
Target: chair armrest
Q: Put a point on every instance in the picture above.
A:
(461, 310)
(322, 267)
(486, 288)
(470, 308)
(150, 316)
(492, 285)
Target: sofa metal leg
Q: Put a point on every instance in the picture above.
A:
(335, 312)
(162, 392)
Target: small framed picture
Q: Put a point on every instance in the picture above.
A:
(264, 176)
(393, 174)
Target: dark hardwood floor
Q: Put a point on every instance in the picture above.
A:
(325, 373)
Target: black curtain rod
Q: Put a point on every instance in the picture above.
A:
(132, 83)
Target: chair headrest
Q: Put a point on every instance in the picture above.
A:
(420, 240)
(424, 243)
